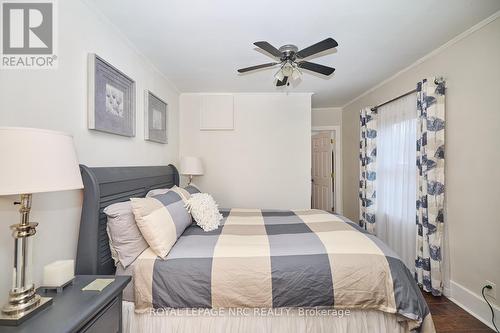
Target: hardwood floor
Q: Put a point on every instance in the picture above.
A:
(449, 317)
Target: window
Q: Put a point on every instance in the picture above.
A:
(396, 177)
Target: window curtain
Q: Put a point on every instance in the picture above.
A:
(396, 182)
(430, 215)
(367, 168)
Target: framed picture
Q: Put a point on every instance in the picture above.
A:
(155, 118)
(111, 98)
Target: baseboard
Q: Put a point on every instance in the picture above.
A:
(473, 304)
(447, 291)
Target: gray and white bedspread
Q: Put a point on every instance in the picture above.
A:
(271, 259)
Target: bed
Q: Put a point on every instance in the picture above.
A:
(262, 270)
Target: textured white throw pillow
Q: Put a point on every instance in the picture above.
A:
(204, 210)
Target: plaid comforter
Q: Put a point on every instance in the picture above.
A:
(271, 259)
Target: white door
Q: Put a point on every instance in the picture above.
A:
(322, 195)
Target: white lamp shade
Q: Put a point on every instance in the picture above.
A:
(191, 166)
(37, 160)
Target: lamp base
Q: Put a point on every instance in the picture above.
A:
(17, 316)
(23, 301)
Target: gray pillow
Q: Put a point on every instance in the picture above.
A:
(192, 189)
(185, 192)
(158, 191)
(125, 239)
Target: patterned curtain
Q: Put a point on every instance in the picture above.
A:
(367, 168)
(430, 184)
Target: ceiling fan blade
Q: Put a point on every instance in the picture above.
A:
(311, 66)
(283, 82)
(247, 69)
(268, 48)
(326, 44)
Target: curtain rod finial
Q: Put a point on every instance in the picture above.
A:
(438, 80)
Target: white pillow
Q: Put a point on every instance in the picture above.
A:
(204, 211)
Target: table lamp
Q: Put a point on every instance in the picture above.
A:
(33, 161)
(191, 166)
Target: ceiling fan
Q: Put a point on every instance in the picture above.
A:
(290, 60)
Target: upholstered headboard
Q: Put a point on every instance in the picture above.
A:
(102, 187)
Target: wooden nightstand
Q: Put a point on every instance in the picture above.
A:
(75, 310)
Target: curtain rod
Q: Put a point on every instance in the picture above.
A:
(395, 99)
(436, 81)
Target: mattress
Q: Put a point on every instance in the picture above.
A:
(280, 259)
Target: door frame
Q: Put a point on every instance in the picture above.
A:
(336, 134)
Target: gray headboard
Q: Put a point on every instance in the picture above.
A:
(102, 187)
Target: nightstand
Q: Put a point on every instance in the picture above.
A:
(75, 310)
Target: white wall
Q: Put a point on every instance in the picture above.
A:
(56, 99)
(265, 162)
(471, 67)
(326, 117)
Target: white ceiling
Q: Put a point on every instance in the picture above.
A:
(199, 44)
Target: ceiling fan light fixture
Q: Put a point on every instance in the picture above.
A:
(290, 60)
(287, 69)
(279, 75)
(296, 74)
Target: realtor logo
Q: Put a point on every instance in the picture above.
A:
(28, 34)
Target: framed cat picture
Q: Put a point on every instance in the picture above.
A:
(111, 98)
(155, 118)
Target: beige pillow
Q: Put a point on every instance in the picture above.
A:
(161, 220)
